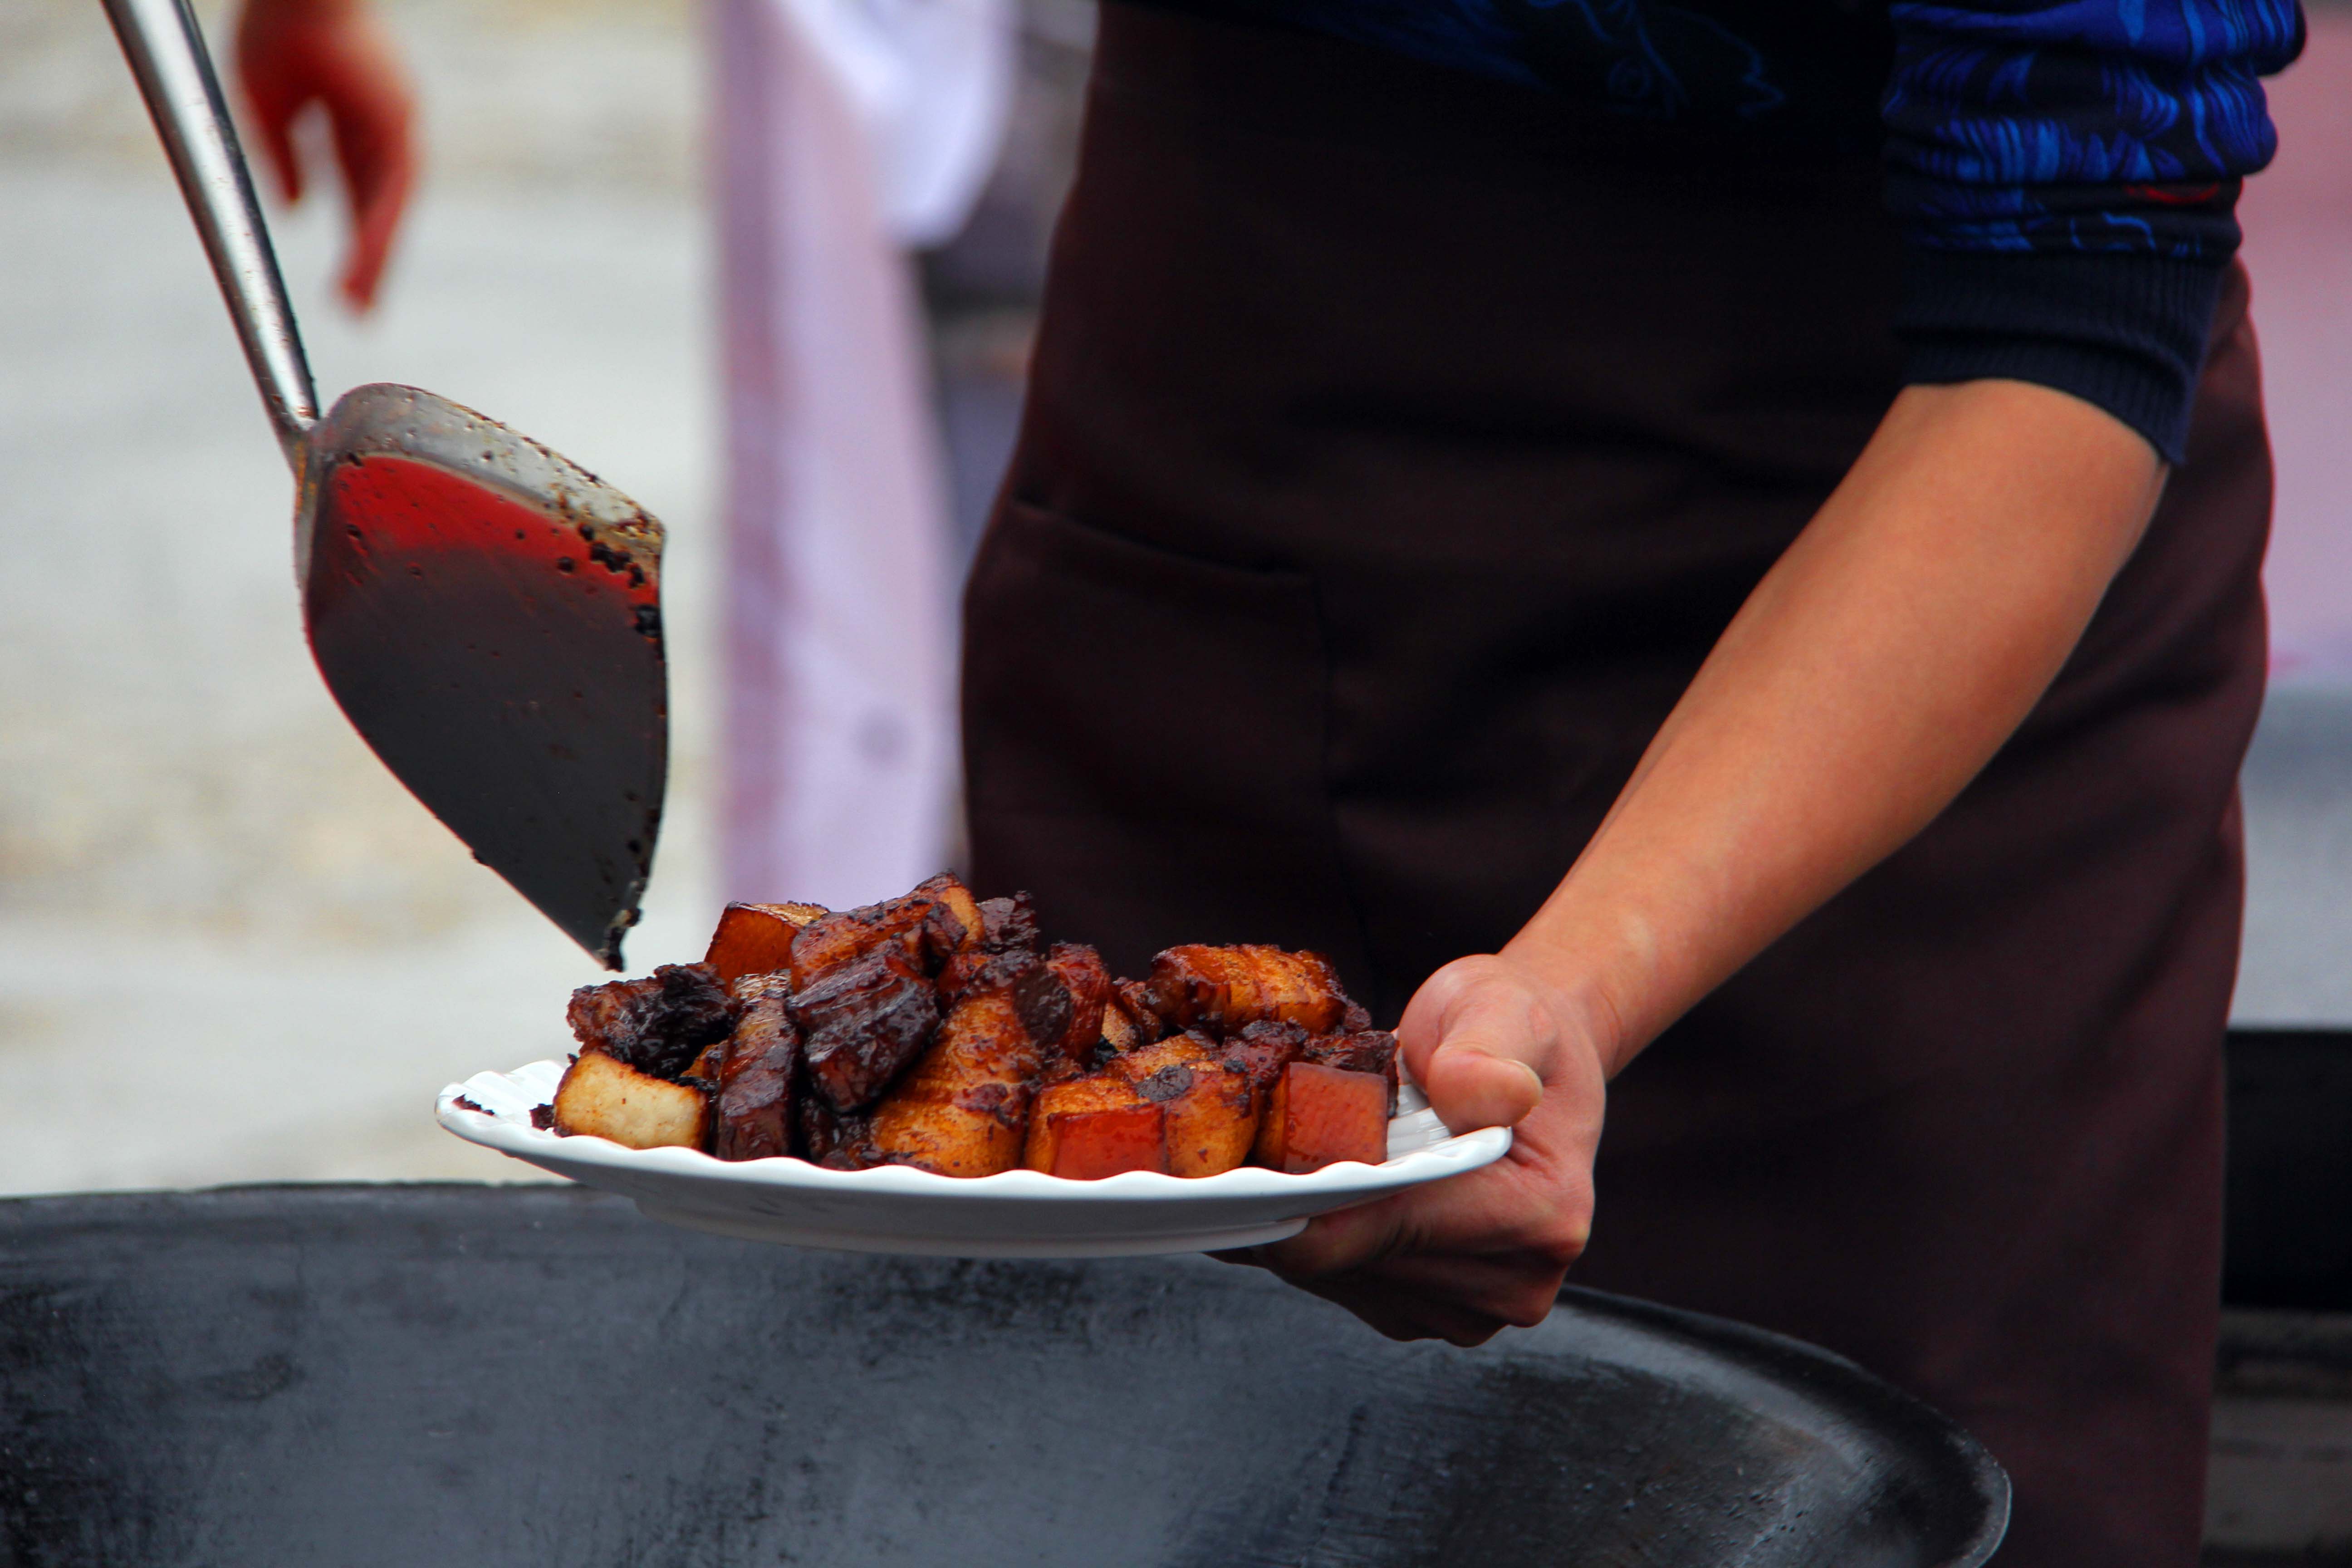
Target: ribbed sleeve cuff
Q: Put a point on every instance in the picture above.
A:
(2126, 332)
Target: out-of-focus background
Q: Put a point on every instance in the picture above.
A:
(232, 948)
(206, 880)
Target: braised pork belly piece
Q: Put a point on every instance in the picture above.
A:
(658, 1025)
(833, 1139)
(1365, 1051)
(757, 938)
(861, 1024)
(963, 1109)
(604, 1096)
(1095, 1127)
(640, 1039)
(752, 1117)
(1080, 971)
(1260, 1051)
(960, 902)
(940, 1030)
(1318, 1116)
(926, 925)
(1010, 925)
(1211, 1111)
(1370, 1051)
(1230, 988)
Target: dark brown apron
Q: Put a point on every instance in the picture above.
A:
(1397, 445)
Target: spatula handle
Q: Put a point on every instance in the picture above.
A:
(166, 51)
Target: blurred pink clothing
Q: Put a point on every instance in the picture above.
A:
(843, 129)
(2298, 218)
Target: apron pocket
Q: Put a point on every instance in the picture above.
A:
(1144, 736)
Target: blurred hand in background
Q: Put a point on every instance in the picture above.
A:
(291, 54)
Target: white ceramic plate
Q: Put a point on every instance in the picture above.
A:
(894, 1208)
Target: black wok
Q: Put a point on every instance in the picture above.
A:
(480, 1376)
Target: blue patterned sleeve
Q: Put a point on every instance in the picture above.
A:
(2067, 174)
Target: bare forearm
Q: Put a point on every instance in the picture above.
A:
(1873, 673)
(1880, 664)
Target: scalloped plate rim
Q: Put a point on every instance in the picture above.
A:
(503, 1130)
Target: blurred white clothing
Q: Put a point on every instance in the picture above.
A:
(932, 81)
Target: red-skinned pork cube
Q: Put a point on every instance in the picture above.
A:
(1318, 1116)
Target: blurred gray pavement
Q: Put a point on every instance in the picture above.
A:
(231, 948)
(2297, 968)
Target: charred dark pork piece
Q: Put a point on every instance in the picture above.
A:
(1367, 1050)
(1261, 1051)
(756, 939)
(827, 1137)
(1118, 1031)
(856, 1151)
(704, 1069)
(751, 1118)
(1043, 1002)
(1223, 989)
(1129, 1020)
(960, 904)
(1082, 973)
(956, 975)
(1010, 925)
(658, 1025)
(1007, 925)
(963, 1109)
(924, 925)
(861, 1024)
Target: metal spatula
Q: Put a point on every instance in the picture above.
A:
(487, 614)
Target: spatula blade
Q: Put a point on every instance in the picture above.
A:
(489, 617)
